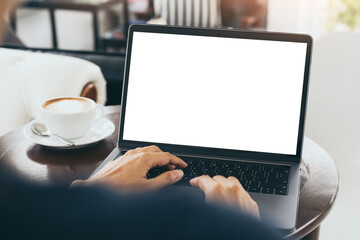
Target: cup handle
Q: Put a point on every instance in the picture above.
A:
(99, 112)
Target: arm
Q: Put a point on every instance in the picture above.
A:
(92, 212)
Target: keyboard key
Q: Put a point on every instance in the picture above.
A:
(243, 182)
(210, 169)
(229, 165)
(274, 180)
(219, 164)
(254, 167)
(213, 164)
(265, 168)
(254, 189)
(248, 177)
(223, 171)
(248, 172)
(253, 183)
(194, 175)
(284, 169)
(195, 163)
(281, 192)
(267, 190)
(206, 163)
(260, 178)
(273, 185)
(186, 171)
(197, 169)
(283, 175)
(238, 166)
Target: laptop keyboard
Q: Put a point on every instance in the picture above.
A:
(255, 177)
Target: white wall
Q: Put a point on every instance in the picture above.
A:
(283, 15)
(300, 16)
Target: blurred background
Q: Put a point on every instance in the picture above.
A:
(96, 30)
(74, 27)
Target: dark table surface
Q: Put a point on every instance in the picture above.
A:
(319, 176)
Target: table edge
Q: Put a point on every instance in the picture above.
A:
(316, 221)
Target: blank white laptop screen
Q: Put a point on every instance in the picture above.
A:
(215, 92)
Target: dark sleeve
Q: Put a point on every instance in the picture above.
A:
(33, 212)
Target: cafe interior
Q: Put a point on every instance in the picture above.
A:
(56, 48)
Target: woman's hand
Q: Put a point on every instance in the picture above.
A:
(128, 172)
(226, 190)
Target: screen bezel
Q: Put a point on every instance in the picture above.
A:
(215, 152)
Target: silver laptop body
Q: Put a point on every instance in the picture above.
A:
(219, 94)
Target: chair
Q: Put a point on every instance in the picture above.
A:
(333, 116)
(111, 65)
(200, 13)
(28, 78)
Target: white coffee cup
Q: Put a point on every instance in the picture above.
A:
(70, 117)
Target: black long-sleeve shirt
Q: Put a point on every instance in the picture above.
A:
(38, 212)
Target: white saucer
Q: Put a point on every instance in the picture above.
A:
(99, 131)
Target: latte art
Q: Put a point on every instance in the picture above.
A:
(67, 105)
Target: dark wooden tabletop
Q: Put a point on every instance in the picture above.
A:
(319, 176)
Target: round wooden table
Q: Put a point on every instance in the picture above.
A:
(319, 176)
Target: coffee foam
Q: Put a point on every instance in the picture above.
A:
(67, 105)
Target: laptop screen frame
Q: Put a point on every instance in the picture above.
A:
(215, 152)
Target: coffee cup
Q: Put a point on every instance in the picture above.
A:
(70, 117)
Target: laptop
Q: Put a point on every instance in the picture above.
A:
(227, 102)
